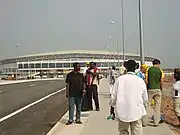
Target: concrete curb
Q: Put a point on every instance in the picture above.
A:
(61, 129)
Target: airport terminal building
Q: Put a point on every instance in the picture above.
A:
(62, 61)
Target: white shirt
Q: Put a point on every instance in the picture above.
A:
(112, 74)
(176, 90)
(129, 96)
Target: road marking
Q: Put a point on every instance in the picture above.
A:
(28, 106)
(32, 85)
(1, 91)
(50, 81)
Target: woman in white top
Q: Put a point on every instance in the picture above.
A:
(176, 92)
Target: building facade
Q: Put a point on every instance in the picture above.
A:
(62, 61)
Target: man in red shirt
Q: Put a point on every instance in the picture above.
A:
(92, 86)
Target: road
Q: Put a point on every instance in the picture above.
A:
(17, 118)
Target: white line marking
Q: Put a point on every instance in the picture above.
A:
(28, 106)
(1, 91)
(32, 85)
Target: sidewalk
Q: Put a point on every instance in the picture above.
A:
(96, 123)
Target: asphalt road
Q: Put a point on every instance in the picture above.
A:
(37, 119)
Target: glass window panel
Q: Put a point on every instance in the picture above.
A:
(58, 65)
(26, 66)
(31, 65)
(44, 65)
(20, 66)
(38, 65)
(66, 65)
(51, 65)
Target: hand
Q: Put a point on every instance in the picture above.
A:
(84, 92)
(67, 95)
(88, 71)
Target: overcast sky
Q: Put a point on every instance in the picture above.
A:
(52, 25)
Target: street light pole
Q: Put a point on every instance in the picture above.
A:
(118, 51)
(122, 27)
(141, 34)
(18, 45)
(117, 45)
(110, 48)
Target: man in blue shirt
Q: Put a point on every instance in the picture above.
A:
(142, 72)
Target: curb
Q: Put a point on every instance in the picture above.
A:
(61, 129)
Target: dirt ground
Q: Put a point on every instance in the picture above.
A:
(167, 105)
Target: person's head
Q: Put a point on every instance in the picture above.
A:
(177, 74)
(92, 65)
(87, 64)
(131, 65)
(143, 68)
(76, 67)
(156, 62)
(113, 68)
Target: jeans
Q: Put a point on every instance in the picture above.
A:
(75, 101)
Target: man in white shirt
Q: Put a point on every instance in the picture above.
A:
(112, 78)
(176, 92)
(129, 96)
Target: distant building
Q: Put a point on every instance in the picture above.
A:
(62, 61)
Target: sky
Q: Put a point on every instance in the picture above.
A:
(54, 25)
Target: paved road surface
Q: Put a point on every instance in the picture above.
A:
(37, 119)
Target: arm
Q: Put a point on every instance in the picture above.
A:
(161, 84)
(113, 79)
(84, 84)
(162, 80)
(145, 94)
(146, 77)
(94, 74)
(67, 85)
(67, 90)
(114, 93)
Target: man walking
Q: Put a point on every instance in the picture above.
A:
(154, 81)
(128, 96)
(142, 72)
(75, 88)
(112, 78)
(176, 93)
(92, 86)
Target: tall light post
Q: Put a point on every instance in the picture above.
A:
(141, 34)
(114, 45)
(117, 44)
(110, 38)
(122, 29)
(17, 46)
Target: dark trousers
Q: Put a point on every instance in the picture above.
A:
(92, 93)
(112, 111)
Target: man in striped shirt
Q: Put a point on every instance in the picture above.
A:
(92, 86)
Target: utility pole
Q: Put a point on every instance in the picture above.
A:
(141, 34)
(122, 27)
(17, 46)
